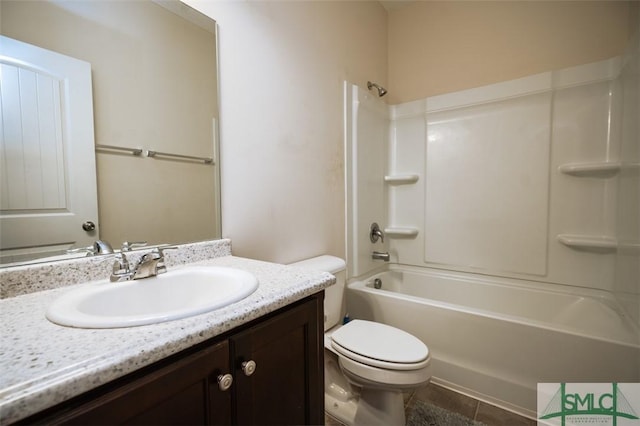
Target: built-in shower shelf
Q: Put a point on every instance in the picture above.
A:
(602, 169)
(397, 232)
(589, 242)
(401, 179)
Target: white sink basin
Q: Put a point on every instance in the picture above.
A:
(176, 294)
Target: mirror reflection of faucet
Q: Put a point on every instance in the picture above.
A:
(98, 247)
(128, 246)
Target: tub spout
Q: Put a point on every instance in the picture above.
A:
(380, 256)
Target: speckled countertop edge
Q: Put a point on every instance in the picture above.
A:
(44, 364)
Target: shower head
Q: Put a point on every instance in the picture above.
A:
(381, 90)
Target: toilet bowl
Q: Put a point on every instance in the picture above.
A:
(368, 365)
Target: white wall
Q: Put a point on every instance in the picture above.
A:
(282, 67)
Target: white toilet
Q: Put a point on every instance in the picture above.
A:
(367, 364)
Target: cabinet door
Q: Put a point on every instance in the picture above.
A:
(183, 392)
(286, 387)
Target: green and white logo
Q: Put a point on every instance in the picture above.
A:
(566, 404)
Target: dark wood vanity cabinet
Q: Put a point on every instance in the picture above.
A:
(277, 367)
(287, 386)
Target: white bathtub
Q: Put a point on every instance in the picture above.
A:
(495, 338)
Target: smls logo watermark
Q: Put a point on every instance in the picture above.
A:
(567, 404)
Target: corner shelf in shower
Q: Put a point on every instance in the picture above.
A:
(398, 232)
(401, 179)
(589, 242)
(600, 169)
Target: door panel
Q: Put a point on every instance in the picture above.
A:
(47, 157)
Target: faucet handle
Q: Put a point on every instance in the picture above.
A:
(121, 270)
(162, 249)
(127, 246)
(375, 233)
(162, 268)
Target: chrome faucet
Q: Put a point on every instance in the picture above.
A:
(381, 256)
(121, 268)
(149, 265)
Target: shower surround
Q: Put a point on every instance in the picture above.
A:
(535, 181)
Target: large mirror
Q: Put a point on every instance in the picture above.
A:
(153, 78)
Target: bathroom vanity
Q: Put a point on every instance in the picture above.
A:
(269, 372)
(257, 361)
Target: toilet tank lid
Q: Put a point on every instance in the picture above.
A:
(325, 263)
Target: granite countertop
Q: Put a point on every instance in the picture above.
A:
(43, 364)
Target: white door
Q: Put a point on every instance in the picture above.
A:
(47, 155)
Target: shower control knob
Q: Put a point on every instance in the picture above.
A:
(225, 381)
(375, 233)
(248, 367)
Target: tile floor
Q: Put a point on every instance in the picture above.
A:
(462, 404)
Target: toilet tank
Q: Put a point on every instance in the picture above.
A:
(334, 303)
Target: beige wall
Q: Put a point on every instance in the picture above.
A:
(154, 87)
(438, 47)
(282, 67)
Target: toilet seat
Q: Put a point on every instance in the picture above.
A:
(361, 374)
(380, 345)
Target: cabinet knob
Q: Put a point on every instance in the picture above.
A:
(224, 382)
(248, 367)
